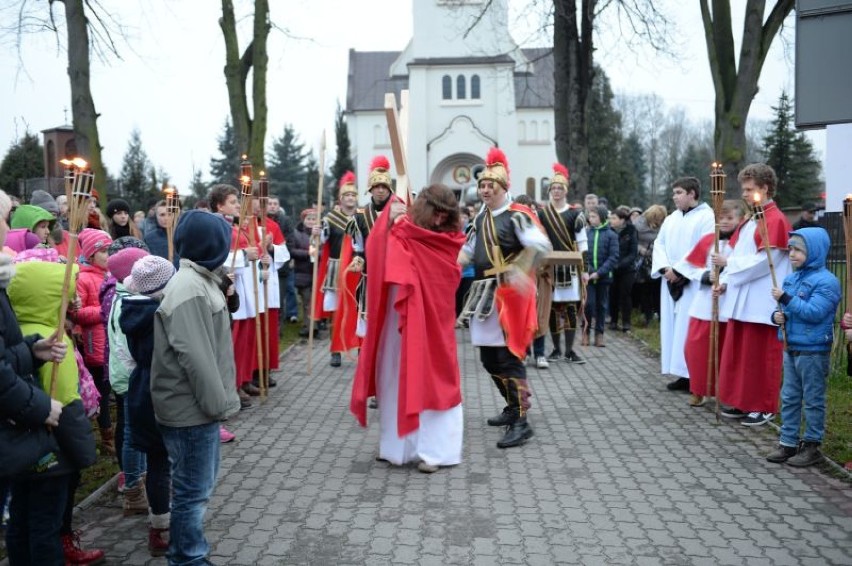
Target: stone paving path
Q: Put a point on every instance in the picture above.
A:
(620, 471)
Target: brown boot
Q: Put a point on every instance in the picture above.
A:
(135, 500)
(108, 440)
(599, 342)
(158, 535)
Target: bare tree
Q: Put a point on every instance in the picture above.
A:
(736, 84)
(249, 130)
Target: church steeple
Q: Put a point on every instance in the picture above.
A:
(440, 27)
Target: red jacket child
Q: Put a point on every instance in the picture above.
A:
(93, 250)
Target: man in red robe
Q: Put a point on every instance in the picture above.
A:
(409, 356)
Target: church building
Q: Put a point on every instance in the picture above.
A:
(470, 88)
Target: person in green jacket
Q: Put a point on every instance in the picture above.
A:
(35, 219)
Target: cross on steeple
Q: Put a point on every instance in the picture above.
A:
(65, 112)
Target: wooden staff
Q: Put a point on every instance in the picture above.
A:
(315, 242)
(258, 329)
(847, 232)
(760, 217)
(263, 195)
(717, 194)
(397, 129)
(78, 189)
(245, 203)
(173, 208)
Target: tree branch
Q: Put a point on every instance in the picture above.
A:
(477, 19)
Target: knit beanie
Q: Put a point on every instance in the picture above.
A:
(92, 240)
(44, 200)
(149, 275)
(308, 211)
(117, 205)
(126, 242)
(121, 263)
(203, 238)
(798, 242)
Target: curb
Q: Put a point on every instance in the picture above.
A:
(838, 468)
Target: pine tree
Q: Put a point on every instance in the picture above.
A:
(608, 173)
(791, 155)
(24, 160)
(226, 169)
(696, 163)
(635, 171)
(287, 170)
(312, 174)
(197, 186)
(343, 160)
(135, 172)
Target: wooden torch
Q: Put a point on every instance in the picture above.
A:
(760, 218)
(717, 195)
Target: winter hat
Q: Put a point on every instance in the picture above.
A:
(21, 239)
(44, 200)
(92, 241)
(798, 242)
(121, 263)
(496, 168)
(379, 173)
(308, 211)
(126, 242)
(117, 205)
(150, 275)
(203, 237)
(49, 255)
(28, 216)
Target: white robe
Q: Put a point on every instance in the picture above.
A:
(748, 297)
(702, 305)
(244, 284)
(678, 235)
(438, 440)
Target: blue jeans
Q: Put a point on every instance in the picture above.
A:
(133, 461)
(597, 299)
(538, 346)
(194, 458)
(35, 519)
(291, 304)
(805, 377)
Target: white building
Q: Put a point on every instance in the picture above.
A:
(466, 95)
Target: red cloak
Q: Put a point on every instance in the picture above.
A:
(424, 265)
(344, 321)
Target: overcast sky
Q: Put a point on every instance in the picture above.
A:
(169, 81)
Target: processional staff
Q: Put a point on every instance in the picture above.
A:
(263, 372)
(315, 258)
(78, 190)
(173, 209)
(760, 218)
(717, 194)
(847, 232)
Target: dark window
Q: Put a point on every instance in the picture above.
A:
(460, 88)
(474, 87)
(447, 87)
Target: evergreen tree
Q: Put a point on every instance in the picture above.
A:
(198, 187)
(635, 171)
(287, 170)
(24, 160)
(226, 169)
(343, 160)
(696, 163)
(135, 171)
(607, 171)
(791, 155)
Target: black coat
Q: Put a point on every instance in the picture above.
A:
(298, 246)
(628, 248)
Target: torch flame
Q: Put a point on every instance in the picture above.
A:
(77, 162)
(848, 197)
(245, 179)
(263, 173)
(169, 191)
(244, 157)
(756, 198)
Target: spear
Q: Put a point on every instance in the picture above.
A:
(316, 259)
(760, 217)
(717, 193)
(263, 194)
(78, 189)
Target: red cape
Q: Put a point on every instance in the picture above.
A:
(777, 228)
(698, 256)
(344, 321)
(424, 265)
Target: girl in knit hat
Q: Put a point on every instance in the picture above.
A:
(93, 272)
(147, 279)
(118, 220)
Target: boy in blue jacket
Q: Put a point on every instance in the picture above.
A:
(806, 307)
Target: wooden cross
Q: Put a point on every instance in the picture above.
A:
(398, 133)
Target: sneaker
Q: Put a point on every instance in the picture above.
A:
(807, 456)
(245, 399)
(757, 419)
(294, 319)
(373, 403)
(427, 468)
(226, 435)
(732, 413)
(335, 360)
(573, 358)
(541, 362)
(554, 356)
(696, 400)
(679, 384)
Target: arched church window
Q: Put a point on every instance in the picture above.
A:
(461, 87)
(474, 87)
(545, 130)
(530, 187)
(446, 87)
(522, 131)
(533, 130)
(377, 136)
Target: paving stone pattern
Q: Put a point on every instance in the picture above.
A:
(620, 471)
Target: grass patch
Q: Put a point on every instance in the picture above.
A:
(649, 335)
